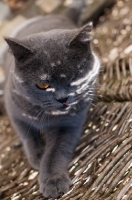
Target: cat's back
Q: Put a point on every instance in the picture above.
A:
(42, 24)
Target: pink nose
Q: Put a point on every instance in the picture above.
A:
(64, 104)
(63, 100)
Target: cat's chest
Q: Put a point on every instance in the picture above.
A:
(41, 119)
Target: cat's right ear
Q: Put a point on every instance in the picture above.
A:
(19, 50)
(82, 37)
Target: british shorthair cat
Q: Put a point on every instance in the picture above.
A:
(50, 74)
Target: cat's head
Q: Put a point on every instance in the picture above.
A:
(55, 69)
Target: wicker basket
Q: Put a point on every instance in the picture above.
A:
(101, 165)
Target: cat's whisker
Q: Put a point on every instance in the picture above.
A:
(22, 110)
(38, 112)
(91, 102)
(45, 115)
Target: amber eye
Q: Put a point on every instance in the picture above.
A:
(43, 86)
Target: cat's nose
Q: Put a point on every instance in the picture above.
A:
(61, 96)
(62, 100)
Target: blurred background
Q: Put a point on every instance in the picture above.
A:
(112, 18)
(112, 37)
(101, 166)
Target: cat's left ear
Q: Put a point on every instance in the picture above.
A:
(19, 50)
(82, 36)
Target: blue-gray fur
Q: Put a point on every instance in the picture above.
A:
(49, 122)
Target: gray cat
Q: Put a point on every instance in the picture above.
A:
(49, 83)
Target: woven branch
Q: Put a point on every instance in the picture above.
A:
(101, 167)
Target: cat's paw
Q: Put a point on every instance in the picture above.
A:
(55, 185)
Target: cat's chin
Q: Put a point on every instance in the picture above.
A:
(58, 111)
(63, 107)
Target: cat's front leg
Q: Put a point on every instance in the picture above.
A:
(32, 141)
(54, 179)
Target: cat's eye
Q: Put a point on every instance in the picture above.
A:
(43, 86)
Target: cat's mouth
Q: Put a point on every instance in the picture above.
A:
(63, 106)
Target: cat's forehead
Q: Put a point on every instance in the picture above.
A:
(54, 55)
(51, 45)
(57, 71)
(46, 76)
(50, 38)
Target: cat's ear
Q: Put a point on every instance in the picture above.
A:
(82, 36)
(19, 50)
